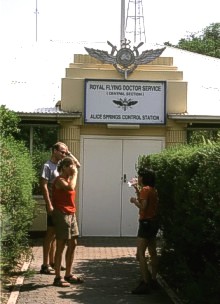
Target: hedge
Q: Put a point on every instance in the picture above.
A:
(16, 210)
(188, 182)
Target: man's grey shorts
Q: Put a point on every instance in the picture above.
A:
(66, 227)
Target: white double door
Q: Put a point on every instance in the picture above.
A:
(107, 165)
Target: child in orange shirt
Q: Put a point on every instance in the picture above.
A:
(147, 203)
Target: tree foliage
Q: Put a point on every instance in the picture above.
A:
(206, 43)
(203, 136)
(43, 136)
(17, 177)
(8, 122)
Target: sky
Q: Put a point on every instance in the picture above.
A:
(100, 20)
(36, 51)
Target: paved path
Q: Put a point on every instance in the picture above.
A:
(110, 271)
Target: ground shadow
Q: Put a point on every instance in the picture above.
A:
(94, 241)
(109, 281)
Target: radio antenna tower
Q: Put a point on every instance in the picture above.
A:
(36, 13)
(134, 27)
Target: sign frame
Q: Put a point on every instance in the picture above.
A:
(125, 102)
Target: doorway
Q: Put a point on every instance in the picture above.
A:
(108, 164)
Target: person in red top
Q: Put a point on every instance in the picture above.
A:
(64, 218)
(147, 203)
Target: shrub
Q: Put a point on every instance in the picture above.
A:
(8, 122)
(16, 179)
(189, 190)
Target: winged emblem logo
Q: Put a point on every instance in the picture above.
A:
(125, 103)
(125, 60)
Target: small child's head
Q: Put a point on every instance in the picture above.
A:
(146, 177)
(65, 162)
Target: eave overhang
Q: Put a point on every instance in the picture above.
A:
(49, 117)
(194, 119)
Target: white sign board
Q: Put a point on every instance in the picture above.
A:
(125, 102)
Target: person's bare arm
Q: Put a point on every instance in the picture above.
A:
(74, 158)
(46, 195)
(61, 183)
(137, 190)
(140, 203)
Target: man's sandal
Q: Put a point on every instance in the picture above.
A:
(47, 269)
(60, 282)
(74, 279)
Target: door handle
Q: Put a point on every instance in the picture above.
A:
(125, 178)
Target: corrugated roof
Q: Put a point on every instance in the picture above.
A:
(48, 115)
(50, 110)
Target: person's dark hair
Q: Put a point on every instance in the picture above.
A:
(148, 176)
(65, 162)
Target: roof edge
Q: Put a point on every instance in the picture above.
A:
(49, 116)
(193, 118)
